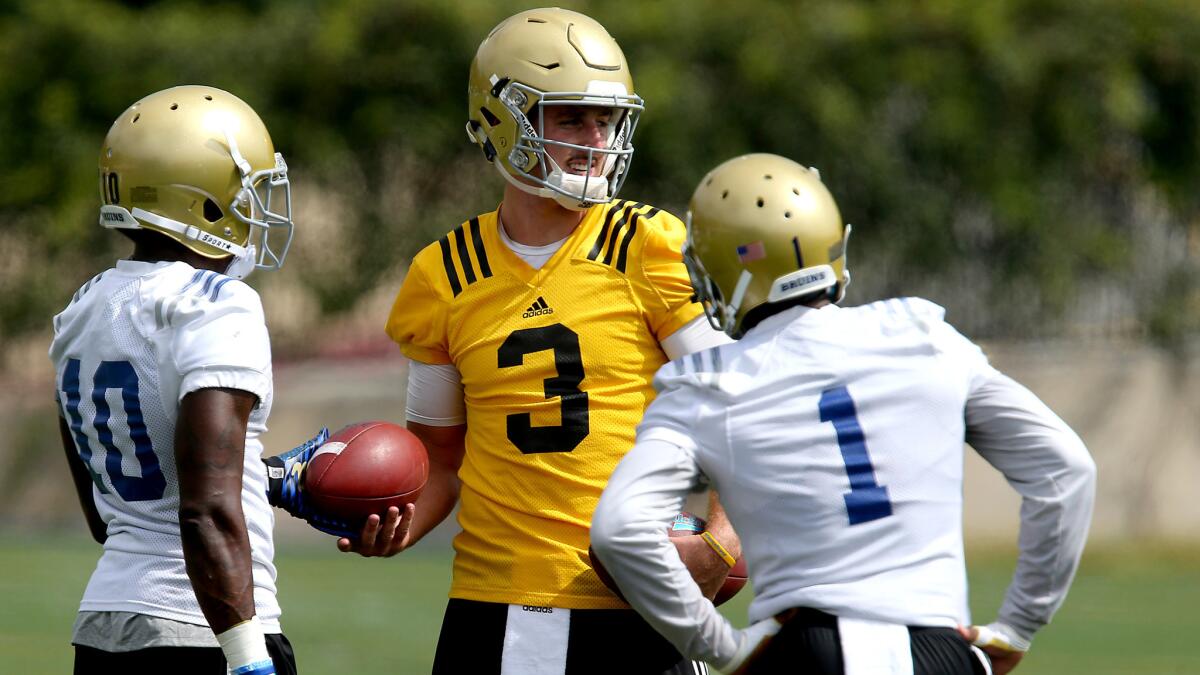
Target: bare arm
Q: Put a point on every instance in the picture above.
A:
(708, 568)
(210, 440)
(83, 484)
(397, 531)
(719, 525)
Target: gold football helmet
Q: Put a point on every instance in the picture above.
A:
(196, 164)
(544, 57)
(762, 229)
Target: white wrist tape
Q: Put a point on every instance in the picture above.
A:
(246, 649)
(1001, 636)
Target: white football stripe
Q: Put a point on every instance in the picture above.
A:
(334, 447)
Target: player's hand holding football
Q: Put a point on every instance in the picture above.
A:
(381, 537)
(999, 642)
(707, 567)
(285, 485)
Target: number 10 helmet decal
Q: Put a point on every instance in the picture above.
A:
(196, 164)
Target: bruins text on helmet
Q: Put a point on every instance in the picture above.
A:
(762, 229)
(196, 164)
(545, 57)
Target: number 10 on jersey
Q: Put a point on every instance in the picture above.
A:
(866, 500)
(118, 375)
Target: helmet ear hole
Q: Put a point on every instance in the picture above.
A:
(212, 212)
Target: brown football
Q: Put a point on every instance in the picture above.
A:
(365, 468)
(683, 525)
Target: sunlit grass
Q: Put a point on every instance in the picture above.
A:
(1125, 615)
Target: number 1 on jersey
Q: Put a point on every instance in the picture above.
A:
(866, 500)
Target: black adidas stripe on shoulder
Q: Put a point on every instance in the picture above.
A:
(471, 273)
(623, 256)
(607, 240)
(480, 252)
(603, 236)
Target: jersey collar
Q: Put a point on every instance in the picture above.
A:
(584, 232)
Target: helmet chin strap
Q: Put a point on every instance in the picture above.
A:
(735, 300)
(118, 217)
(591, 187)
(597, 187)
(242, 265)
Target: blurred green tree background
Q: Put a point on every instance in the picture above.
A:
(1029, 164)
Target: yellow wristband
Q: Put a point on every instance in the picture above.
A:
(716, 546)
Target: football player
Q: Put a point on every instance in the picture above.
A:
(534, 332)
(835, 438)
(163, 367)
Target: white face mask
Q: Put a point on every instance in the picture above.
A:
(242, 265)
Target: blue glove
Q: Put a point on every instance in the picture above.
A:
(285, 487)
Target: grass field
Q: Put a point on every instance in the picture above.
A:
(1131, 612)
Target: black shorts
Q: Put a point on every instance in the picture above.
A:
(809, 642)
(176, 660)
(599, 641)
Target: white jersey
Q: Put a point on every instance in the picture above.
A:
(133, 341)
(835, 439)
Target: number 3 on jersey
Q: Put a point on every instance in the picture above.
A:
(114, 375)
(565, 385)
(866, 500)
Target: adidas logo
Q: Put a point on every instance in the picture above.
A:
(537, 309)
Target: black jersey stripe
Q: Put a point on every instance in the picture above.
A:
(464, 258)
(625, 243)
(448, 262)
(624, 254)
(611, 248)
(603, 236)
(480, 252)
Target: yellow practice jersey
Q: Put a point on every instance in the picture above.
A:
(556, 368)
